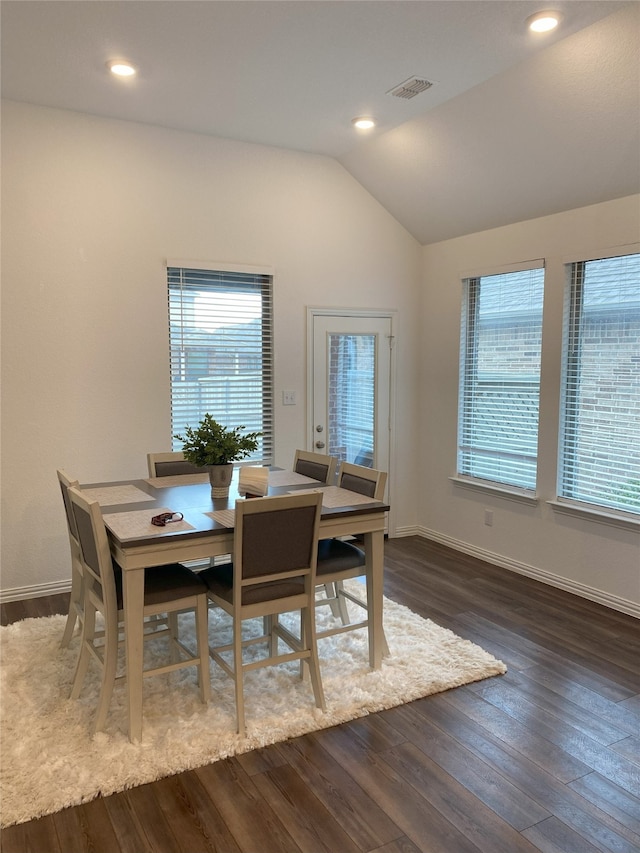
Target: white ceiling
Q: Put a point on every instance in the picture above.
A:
(515, 126)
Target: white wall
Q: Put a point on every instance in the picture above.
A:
(91, 208)
(594, 559)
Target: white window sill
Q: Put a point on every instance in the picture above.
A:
(589, 513)
(507, 492)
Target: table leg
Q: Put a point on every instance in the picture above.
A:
(374, 551)
(133, 588)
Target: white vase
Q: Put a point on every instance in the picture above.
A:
(220, 479)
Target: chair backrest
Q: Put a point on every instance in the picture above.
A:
(318, 466)
(94, 550)
(276, 538)
(253, 480)
(170, 464)
(365, 481)
(65, 484)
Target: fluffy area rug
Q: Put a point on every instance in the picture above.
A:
(50, 759)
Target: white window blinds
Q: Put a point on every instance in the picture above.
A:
(221, 351)
(500, 377)
(600, 433)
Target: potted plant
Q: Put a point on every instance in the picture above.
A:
(215, 447)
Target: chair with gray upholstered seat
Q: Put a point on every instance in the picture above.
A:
(273, 572)
(318, 466)
(339, 560)
(76, 611)
(167, 590)
(170, 464)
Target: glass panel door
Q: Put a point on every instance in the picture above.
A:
(351, 389)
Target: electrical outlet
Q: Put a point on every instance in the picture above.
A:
(488, 517)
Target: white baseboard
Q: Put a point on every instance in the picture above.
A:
(406, 531)
(36, 591)
(593, 594)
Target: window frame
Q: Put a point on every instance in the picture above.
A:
(568, 432)
(468, 368)
(246, 276)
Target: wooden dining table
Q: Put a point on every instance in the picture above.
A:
(206, 531)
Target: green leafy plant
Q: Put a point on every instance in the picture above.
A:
(213, 444)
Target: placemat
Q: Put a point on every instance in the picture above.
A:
(114, 495)
(225, 517)
(129, 525)
(288, 478)
(334, 497)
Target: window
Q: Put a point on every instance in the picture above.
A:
(600, 439)
(500, 377)
(221, 351)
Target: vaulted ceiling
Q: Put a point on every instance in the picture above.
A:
(514, 126)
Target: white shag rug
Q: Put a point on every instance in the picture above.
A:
(49, 760)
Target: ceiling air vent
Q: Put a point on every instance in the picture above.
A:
(410, 88)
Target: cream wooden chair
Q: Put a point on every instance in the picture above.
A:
(76, 596)
(273, 572)
(319, 466)
(339, 560)
(167, 590)
(170, 464)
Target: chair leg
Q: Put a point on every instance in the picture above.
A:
(269, 623)
(202, 634)
(110, 664)
(69, 626)
(174, 652)
(341, 603)
(88, 634)
(238, 676)
(334, 603)
(75, 607)
(308, 632)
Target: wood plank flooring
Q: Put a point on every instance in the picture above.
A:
(545, 758)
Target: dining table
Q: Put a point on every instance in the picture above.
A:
(205, 531)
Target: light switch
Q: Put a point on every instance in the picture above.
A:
(289, 398)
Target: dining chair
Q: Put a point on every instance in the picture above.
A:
(173, 464)
(339, 560)
(76, 596)
(318, 466)
(168, 589)
(273, 572)
(170, 464)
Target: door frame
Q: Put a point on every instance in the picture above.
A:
(314, 311)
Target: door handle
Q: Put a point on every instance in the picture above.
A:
(319, 444)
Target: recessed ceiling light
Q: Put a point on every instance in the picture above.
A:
(363, 123)
(543, 22)
(121, 68)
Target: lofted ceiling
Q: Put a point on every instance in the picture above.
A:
(515, 125)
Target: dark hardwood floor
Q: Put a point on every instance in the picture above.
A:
(546, 757)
